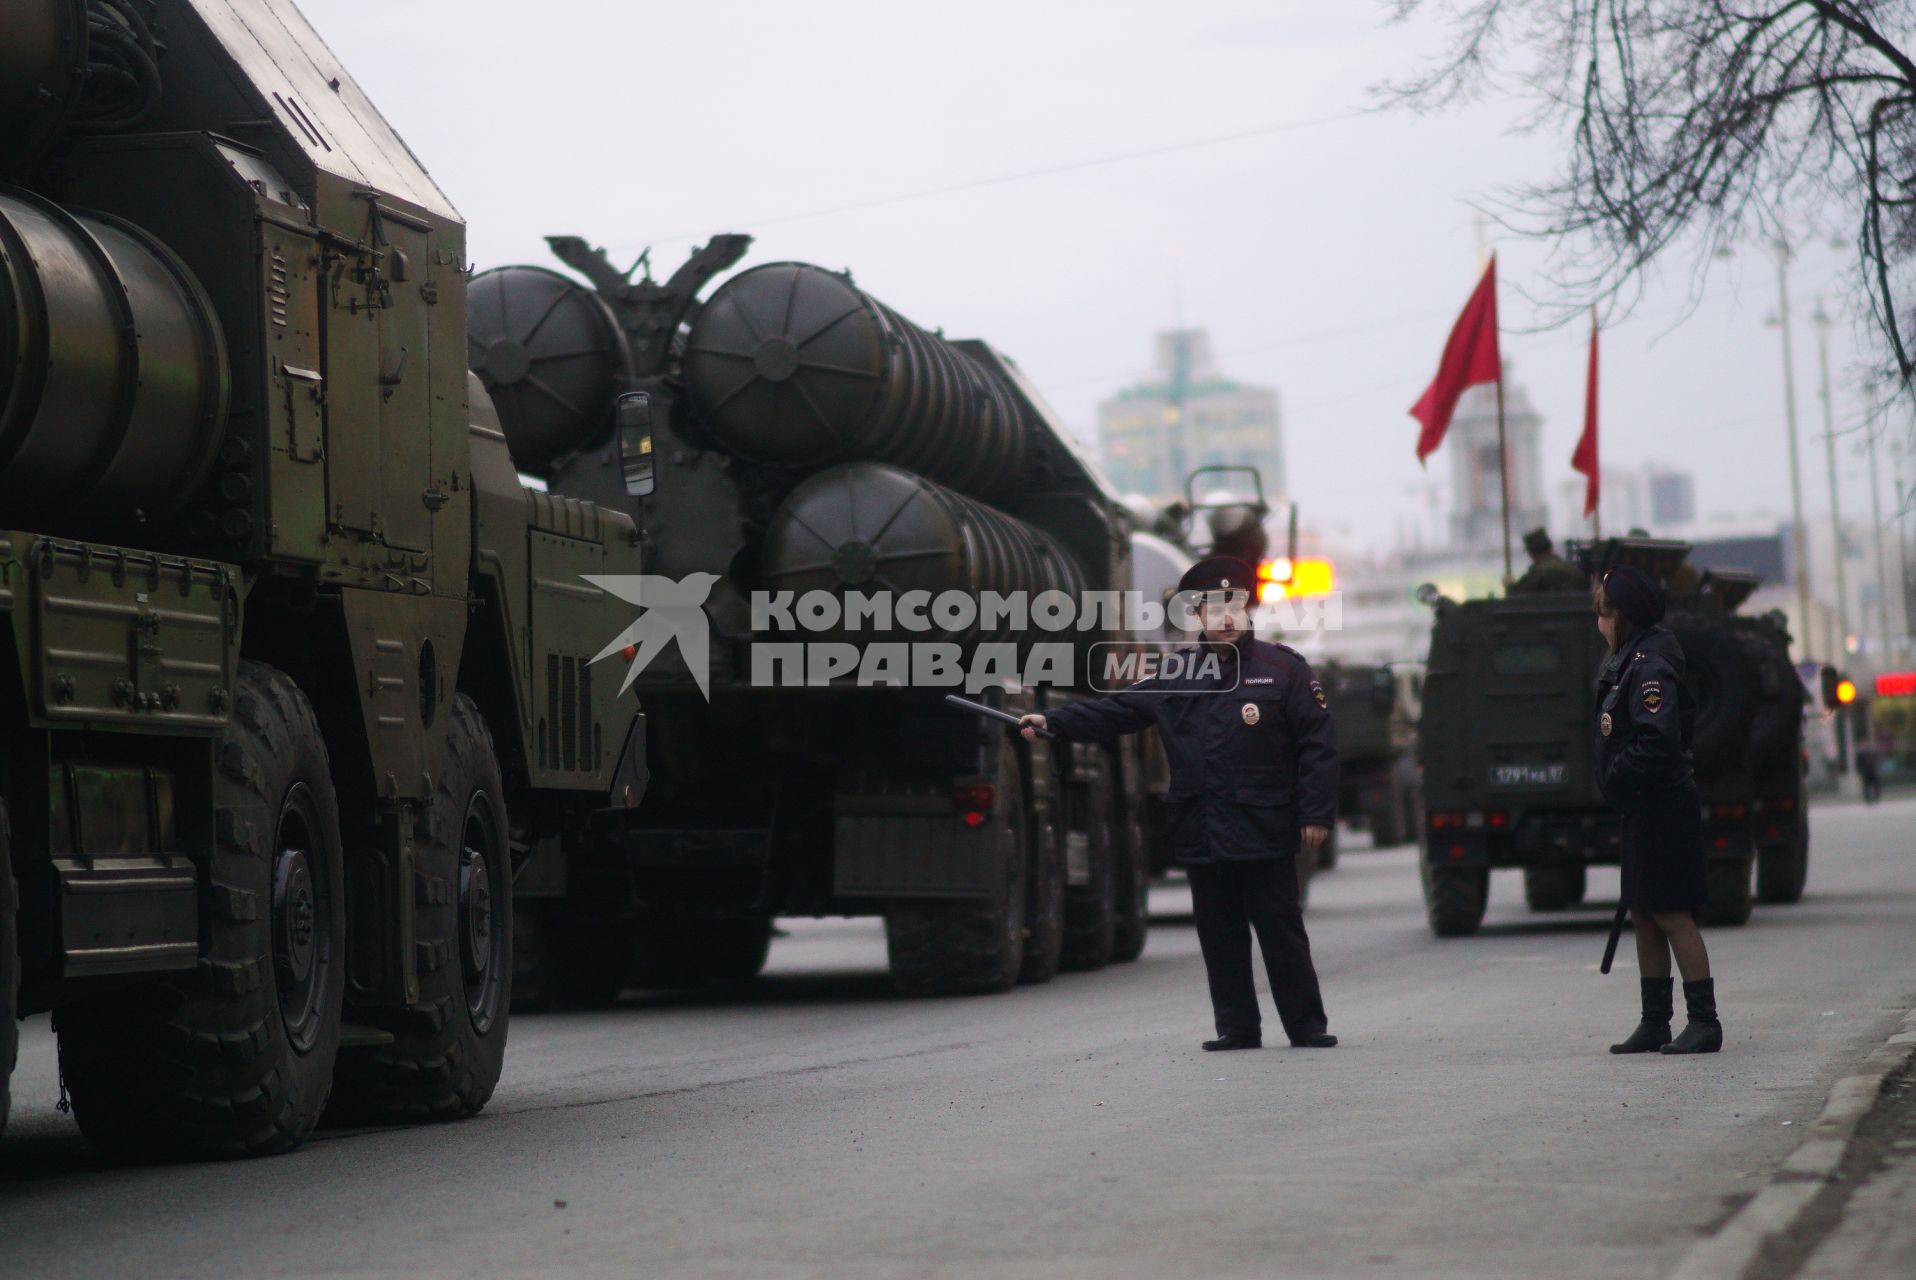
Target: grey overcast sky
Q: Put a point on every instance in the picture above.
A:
(1326, 259)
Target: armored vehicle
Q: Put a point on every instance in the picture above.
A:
(1507, 748)
(294, 674)
(1375, 707)
(814, 449)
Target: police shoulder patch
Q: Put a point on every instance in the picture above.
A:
(1317, 692)
(1652, 696)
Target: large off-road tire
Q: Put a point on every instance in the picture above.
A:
(968, 945)
(1386, 821)
(567, 954)
(1044, 889)
(1776, 727)
(1726, 887)
(1454, 898)
(1725, 684)
(1553, 888)
(447, 1050)
(9, 971)
(1131, 874)
(674, 953)
(1781, 873)
(1090, 910)
(236, 1056)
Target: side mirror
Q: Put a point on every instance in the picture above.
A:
(1427, 595)
(635, 443)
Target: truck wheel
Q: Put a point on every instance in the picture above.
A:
(1726, 685)
(1553, 888)
(674, 953)
(563, 958)
(1044, 891)
(447, 1050)
(1782, 873)
(967, 945)
(1090, 910)
(9, 971)
(1726, 887)
(1131, 875)
(1454, 898)
(236, 1056)
(1386, 822)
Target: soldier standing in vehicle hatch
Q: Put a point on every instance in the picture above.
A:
(1253, 777)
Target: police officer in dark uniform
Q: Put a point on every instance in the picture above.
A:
(1253, 761)
(1644, 769)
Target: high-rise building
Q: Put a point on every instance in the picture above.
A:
(1476, 492)
(1188, 415)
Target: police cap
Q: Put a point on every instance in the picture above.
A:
(1537, 541)
(1219, 573)
(1635, 595)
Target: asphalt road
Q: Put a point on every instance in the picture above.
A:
(1471, 1124)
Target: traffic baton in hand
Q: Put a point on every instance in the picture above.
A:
(1616, 932)
(992, 713)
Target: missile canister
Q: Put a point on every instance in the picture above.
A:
(793, 366)
(867, 527)
(550, 354)
(113, 376)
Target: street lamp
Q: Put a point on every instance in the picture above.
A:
(1798, 542)
(1820, 318)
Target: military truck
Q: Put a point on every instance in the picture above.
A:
(813, 443)
(296, 669)
(1375, 707)
(1507, 750)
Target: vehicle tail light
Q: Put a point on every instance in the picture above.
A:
(1456, 853)
(1722, 842)
(1729, 812)
(973, 795)
(1786, 805)
(1497, 819)
(1446, 821)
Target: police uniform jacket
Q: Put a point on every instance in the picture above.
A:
(1252, 752)
(1643, 730)
(1644, 769)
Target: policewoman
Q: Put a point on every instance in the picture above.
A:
(1644, 770)
(1247, 732)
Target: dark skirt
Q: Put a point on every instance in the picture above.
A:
(1663, 851)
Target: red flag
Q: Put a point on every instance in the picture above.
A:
(1470, 358)
(1585, 458)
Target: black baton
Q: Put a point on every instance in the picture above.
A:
(1616, 932)
(979, 708)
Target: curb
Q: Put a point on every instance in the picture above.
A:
(1804, 1175)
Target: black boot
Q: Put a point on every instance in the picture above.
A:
(1235, 1040)
(1654, 1031)
(1705, 1033)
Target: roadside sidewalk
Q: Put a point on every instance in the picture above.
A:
(1875, 1236)
(1839, 1206)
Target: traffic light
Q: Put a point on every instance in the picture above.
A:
(1838, 689)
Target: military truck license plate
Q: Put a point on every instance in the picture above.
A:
(1529, 775)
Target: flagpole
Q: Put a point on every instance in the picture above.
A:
(1503, 471)
(1596, 509)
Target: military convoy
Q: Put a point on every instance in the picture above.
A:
(296, 670)
(813, 445)
(1506, 745)
(1376, 708)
